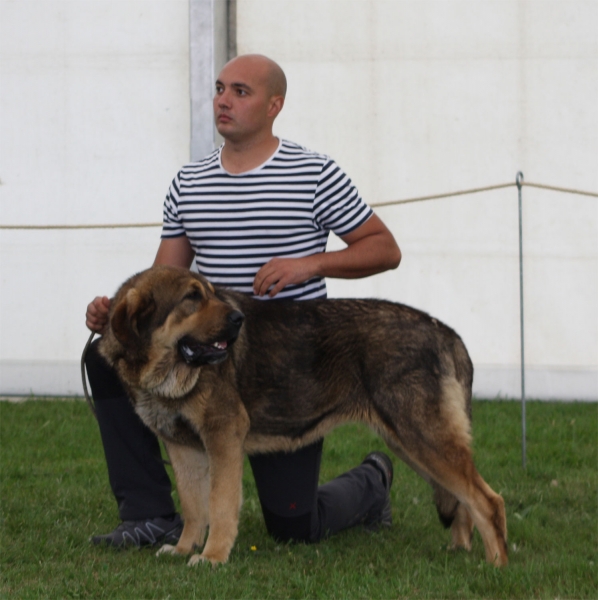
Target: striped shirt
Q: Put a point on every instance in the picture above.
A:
(286, 207)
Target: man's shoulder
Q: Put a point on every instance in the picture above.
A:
(208, 163)
(293, 151)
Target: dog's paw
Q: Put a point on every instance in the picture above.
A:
(460, 544)
(166, 549)
(173, 550)
(201, 558)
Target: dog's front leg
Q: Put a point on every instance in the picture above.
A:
(191, 470)
(225, 451)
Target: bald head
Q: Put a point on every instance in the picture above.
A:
(248, 97)
(268, 71)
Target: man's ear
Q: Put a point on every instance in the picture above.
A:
(129, 316)
(275, 106)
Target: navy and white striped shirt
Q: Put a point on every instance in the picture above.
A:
(285, 208)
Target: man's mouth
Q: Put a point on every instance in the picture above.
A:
(194, 353)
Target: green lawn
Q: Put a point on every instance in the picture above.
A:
(55, 495)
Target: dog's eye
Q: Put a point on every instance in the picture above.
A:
(194, 295)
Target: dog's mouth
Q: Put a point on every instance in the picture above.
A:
(195, 353)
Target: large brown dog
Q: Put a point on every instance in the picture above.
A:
(215, 374)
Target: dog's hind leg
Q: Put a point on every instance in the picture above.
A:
(487, 510)
(451, 512)
(453, 469)
(461, 528)
(450, 463)
(191, 470)
(475, 503)
(440, 450)
(455, 515)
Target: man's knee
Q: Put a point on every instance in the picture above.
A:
(290, 529)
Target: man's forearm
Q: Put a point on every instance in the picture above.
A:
(367, 256)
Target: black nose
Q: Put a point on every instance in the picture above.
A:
(236, 318)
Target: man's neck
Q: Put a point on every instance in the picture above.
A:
(240, 157)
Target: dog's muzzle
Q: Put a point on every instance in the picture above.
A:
(196, 353)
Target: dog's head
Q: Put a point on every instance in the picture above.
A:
(164, 324)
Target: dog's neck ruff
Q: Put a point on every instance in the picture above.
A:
(176, 384)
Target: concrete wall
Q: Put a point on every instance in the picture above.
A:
(411, 97)
(94, 123)
(421, 97)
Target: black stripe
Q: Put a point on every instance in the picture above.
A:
(285, 208)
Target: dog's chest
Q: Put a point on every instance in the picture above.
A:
(166, 421)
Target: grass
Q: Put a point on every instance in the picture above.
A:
(55, 495)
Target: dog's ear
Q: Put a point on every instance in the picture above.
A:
(129, 316)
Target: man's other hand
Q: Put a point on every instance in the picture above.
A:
(96, 317)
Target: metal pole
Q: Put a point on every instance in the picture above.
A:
(519, 182)
(208, 50)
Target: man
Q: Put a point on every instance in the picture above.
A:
(255, 215)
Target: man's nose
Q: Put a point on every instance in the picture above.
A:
(223, 99)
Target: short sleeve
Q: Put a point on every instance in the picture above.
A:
(338, 207)
(171, 223)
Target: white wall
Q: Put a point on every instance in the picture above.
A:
(420, 97)
(94, 123)
(411, 98)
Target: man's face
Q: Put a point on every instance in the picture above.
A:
(242, 102)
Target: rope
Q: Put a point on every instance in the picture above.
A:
(374, 205)
(485, 189)
(559, 189)
(438, 196)
(111, 226)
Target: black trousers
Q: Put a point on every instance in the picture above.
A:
(293, 505)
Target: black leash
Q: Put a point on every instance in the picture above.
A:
(84, 378)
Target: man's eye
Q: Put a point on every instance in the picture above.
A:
(241, 92)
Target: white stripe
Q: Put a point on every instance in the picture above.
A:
(282, 207)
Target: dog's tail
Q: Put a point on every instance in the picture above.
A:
(463, 371)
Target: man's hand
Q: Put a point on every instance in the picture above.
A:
(96, 317)
(277, 273)
(371, 249)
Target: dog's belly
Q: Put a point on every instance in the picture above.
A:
(286, 424)
(258, 442)
(294, 426)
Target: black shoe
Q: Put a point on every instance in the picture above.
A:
(148, 532)
(383, 464)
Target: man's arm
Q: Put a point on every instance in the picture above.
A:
(176, 252)
(371, 249)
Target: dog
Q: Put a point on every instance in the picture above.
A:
(216, 374)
